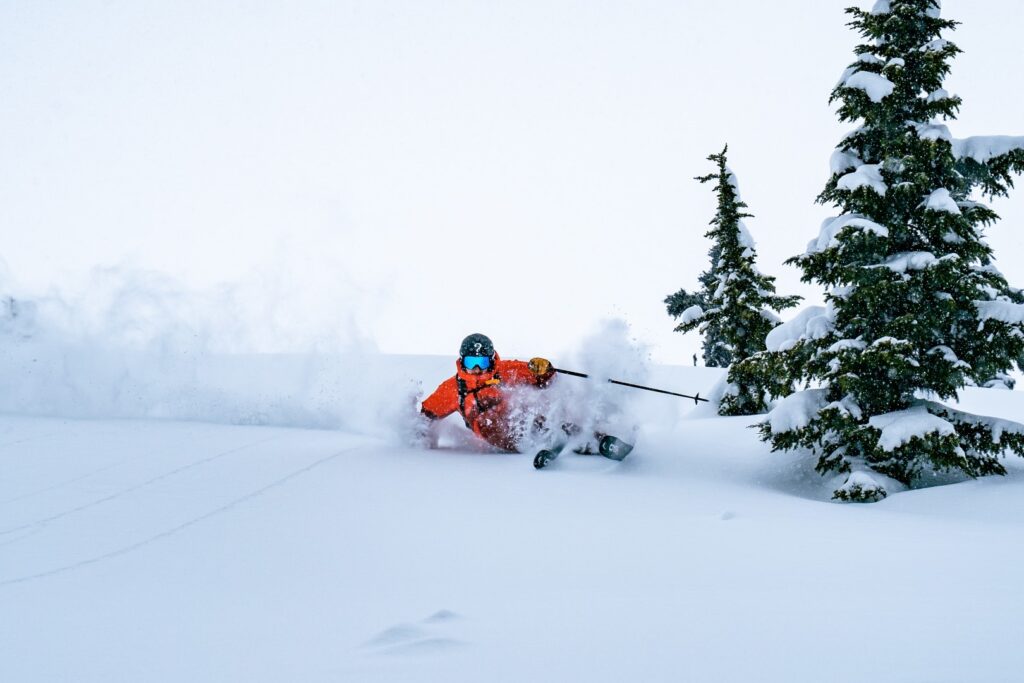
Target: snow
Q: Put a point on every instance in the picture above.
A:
(1003, 311)
(941, 200)
(934, 46)
(949, 356)
(937, 95)
(733, 182)
(831, 227)
(797, 410)
(899, 427)
(860, 481)
(743, 236)
(876, 86)
(910, 260)
(983, 148)
(168, 550)
(690, 314)
(842, 161)
(881, 7)
(847, 345)
(932, 131)
(813, 322)
(865, 175)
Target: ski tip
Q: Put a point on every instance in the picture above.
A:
(542, 459)
(614, 448)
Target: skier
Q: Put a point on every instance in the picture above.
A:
(483, 392)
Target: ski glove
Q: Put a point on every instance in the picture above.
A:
(541, 368)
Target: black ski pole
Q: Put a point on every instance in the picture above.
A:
(696, 399)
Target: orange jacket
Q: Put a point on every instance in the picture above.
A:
(480, 399)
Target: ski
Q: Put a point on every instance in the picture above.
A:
(610, 447)
(545, 456)
(614, 448)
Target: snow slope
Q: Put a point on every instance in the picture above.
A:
(144, 550)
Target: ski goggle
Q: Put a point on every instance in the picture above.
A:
(482, 362)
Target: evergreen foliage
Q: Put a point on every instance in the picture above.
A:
(734, 307)
(714, 349)
(916, 309)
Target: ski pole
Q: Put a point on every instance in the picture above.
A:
(696, 399)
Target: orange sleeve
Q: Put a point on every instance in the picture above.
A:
(443, 402)
(517, 372)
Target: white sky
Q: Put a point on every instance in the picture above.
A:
(422, 170)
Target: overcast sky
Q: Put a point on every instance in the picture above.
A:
(421, 170)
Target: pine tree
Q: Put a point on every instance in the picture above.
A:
(734, 308)
(916, 309)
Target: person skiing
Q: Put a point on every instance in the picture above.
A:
(483, 391)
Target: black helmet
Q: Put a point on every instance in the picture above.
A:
(476, 345)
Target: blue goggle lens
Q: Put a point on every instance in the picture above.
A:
(482, 362)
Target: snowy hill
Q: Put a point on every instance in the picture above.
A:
(136, 549)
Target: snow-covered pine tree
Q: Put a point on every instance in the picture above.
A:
(916, 310)
(735, 306)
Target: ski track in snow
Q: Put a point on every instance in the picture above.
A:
(37, 437)
(185, 525)
(132, 489)
(61, 484)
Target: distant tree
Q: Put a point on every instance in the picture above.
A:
(714, 349)
(734, 308)
(916, 309)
